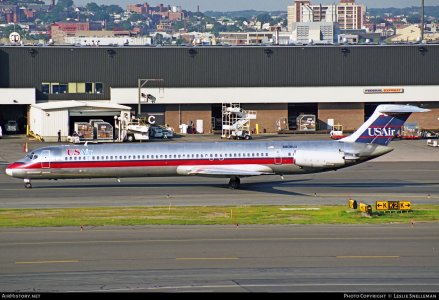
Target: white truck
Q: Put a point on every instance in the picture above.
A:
(137, 131)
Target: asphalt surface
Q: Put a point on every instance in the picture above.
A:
(294, 258)
(313, 258)
(410, 172)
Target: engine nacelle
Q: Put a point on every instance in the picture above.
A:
(319, 159)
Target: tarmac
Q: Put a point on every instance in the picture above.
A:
(389, 258)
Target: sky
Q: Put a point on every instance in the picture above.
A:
(266, 5)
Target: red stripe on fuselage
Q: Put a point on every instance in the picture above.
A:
(20, 165)
(151, 163)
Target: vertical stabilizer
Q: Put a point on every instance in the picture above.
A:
(383, 125)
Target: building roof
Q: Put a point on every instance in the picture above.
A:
(76, 104)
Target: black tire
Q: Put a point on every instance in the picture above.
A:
(234, 183)
(130, 138)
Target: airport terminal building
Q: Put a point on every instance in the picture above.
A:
(340, 83)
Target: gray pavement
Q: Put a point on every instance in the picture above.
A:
(411, 172)
(293, 258)
(316, 258)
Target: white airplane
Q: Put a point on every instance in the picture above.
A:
(233, 160)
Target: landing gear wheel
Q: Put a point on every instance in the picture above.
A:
(27, 184)
(234, 183)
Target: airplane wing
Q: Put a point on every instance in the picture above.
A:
(224, 171)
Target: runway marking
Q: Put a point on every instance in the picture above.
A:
(206, 258)
(368, 256)
(221, 240)
(46, 262)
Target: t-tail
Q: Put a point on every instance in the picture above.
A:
(383, 125)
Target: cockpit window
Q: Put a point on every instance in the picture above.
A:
(31, 156)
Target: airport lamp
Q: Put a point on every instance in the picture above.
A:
(140, 84)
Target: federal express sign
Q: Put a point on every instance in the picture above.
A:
(384, 91)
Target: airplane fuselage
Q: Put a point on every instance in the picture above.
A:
(217, 159)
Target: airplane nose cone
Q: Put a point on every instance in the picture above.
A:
(9, 171)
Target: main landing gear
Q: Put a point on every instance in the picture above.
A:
(27, 184)
(234, 183)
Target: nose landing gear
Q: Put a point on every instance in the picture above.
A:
(27, 184)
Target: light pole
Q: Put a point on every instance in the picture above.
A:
(141, 83)
(422, 20)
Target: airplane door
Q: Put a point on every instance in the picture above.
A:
(276, 153)
(45, 159)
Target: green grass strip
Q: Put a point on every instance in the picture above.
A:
(207, 215)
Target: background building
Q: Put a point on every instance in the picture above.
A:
(344, 83)
(347, 13)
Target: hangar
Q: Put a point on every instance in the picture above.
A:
(343, 82)
(46, 119)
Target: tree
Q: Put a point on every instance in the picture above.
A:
(92, 7)
(264, 18)
(65, 4)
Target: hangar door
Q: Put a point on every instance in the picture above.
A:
(86, 116)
